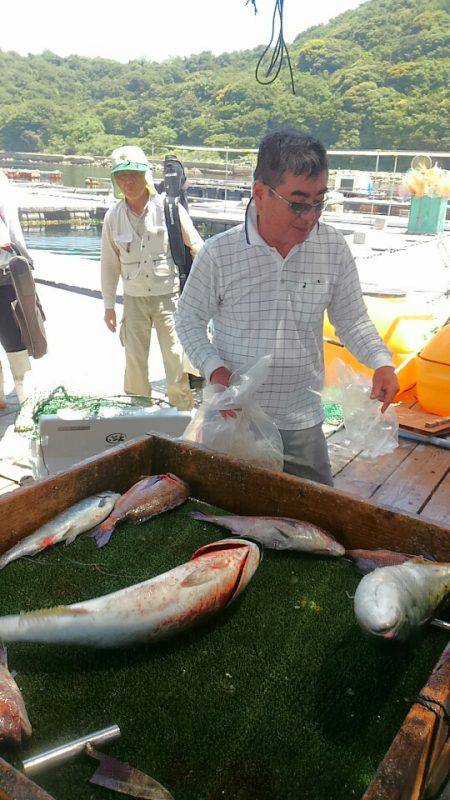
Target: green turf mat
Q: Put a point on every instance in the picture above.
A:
(280, 697)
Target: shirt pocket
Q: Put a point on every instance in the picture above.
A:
(310, 299)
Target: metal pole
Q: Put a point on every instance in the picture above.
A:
(392, 185)
(226, 180)
(376, 173)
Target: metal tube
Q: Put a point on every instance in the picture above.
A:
(418, 437)
(58, 755)
(440, 623)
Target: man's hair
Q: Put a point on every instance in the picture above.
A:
(289, 151)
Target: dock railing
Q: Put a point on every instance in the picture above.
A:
(393, 164)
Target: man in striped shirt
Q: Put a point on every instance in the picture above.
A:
(266, 284)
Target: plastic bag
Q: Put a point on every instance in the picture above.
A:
(251, 435)
(369, 431)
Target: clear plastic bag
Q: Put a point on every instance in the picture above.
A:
(370, 432)
(249, 435)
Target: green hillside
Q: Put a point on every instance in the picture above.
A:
(375, 77)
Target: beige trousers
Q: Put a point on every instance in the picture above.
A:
(140, 315)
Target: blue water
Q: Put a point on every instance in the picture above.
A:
(66, 241)
(86, 243)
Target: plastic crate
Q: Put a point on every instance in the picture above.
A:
(427, 215)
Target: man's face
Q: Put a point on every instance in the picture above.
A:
(278, 224)
(131, 183)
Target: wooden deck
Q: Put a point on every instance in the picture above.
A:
(415, 478)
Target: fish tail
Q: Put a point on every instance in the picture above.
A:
(102, 533)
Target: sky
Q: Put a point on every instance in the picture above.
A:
(154, 29)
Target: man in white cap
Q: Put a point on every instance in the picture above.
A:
(135, 247)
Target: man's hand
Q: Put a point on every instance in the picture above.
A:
(110, 319)
(384, 386)
(222, 375)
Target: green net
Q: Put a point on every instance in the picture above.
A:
(334, 414)
(87, 406)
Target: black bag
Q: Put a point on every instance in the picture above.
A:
(27, 309)
(174, 186)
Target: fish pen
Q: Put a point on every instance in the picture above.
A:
(280, 696)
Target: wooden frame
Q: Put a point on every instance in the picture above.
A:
(418, 760)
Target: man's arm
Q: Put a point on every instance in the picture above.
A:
(191, 236)
(197, 306)
(348, 314)
(110, 274)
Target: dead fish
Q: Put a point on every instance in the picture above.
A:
(14, 722)
(392, 602)
(121, 777)
(278, 533)
(368, 560)
(155, 609)
(79, 518)
(147, 498)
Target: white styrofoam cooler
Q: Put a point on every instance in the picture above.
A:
(65, 439)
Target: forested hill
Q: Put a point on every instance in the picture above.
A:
(375, 77)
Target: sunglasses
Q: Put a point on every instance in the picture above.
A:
(301, 208)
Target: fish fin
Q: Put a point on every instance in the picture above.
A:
(71, 535)
(102, 533)
(198, 515)
(152, 479)
(427, 556)
(199, 576)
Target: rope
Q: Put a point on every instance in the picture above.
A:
(279, 50)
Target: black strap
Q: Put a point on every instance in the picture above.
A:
(180, 253)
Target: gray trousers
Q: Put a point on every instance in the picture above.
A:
(306, 454)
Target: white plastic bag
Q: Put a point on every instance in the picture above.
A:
(249, 435)
(369, 431)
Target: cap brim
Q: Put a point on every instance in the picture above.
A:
(130, 166)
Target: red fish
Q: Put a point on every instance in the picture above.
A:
(368, 560)
(14, 722)
(147, 498)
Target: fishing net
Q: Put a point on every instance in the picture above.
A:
(334, 414)
(86, 407)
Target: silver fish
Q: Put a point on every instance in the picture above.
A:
(393, 602)
(277, 533)
(14, 722)
(148, 611)
(79, 518)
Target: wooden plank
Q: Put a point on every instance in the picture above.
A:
(416, 754)
(420, 421)
(408, 398)
(239, 488)
(409, 488)
(339, 451)
(227, 483)
(438, 506)
(363, 476)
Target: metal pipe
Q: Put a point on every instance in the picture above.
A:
(440, 623)
(58, 755)
(418, 437)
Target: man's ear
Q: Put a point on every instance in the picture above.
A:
(258, 193)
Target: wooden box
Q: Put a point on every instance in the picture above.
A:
(418, 761)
